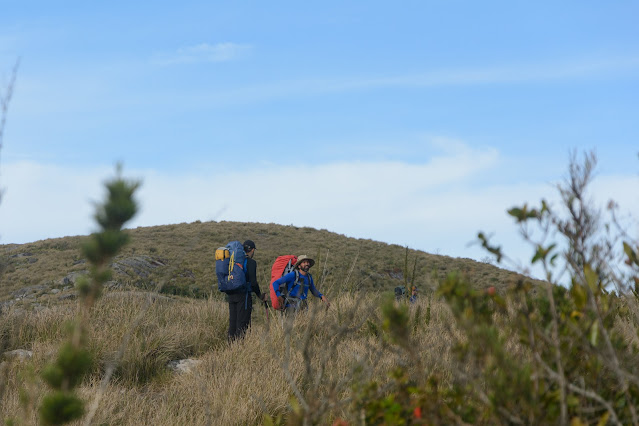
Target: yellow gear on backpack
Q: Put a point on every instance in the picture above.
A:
(222, 253)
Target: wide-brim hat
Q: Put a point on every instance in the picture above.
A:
(303, 257)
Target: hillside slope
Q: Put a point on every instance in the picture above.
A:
(179, 258)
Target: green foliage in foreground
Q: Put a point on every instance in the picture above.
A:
(69, 368)
(74, 360)
(60, 407)
(556, 354)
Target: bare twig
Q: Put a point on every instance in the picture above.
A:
(323, 276)
(558, 360)
(4, 102)
(350, 271)
(576, 389)
(6, 98)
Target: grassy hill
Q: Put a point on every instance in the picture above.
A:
(140, 335)
(561, 355)
(178, 259)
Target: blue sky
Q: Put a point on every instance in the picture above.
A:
(417, 123)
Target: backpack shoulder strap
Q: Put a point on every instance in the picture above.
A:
(248, 284)
(310, 279)
(296, 281)
(290, 287)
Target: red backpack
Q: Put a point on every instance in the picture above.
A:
(282, 266)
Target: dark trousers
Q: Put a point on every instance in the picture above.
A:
(240, 308)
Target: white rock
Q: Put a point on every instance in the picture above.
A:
(183, 365)
(19, 354)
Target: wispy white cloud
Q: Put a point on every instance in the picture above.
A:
(203, 53)
(336, 194)
(435, 206)
(509, 74)
(76, 91)
(522, 73)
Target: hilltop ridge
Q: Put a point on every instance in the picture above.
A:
(179, 257)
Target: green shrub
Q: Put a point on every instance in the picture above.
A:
(553, 353)
(60, 407)
(74, 360)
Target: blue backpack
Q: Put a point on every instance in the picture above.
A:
(230, 267)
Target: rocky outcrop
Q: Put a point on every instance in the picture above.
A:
(68, 296)
(72, 278)
(136, 271)
(26, 256)
(30, 292)
(140, 266)
(396, 274)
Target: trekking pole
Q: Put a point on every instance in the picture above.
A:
(268, 320)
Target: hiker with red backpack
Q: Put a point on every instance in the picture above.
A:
(291, 290)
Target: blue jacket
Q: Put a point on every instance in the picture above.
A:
(300, 290)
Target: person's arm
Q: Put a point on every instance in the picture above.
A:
(286, 280)
(314, 289)
(316, 292)
(251, 267)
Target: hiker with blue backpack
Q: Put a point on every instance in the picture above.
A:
(237, 277)
(292, 288)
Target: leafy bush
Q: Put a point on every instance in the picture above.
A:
(549, 354)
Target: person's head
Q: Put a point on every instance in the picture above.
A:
(304, 263)
(249, 248)
(414, 289)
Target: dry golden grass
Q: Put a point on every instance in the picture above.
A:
(239, 383)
